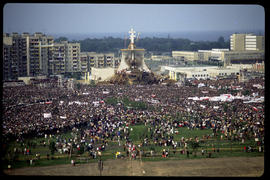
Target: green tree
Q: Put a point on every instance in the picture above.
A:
(221, 41)
(155, 44)
(61, 38)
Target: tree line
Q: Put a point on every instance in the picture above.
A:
(155, 44)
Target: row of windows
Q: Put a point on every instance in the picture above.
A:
(200, 75)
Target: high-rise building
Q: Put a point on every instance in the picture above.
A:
(14, 56)
(73, 57)
(37, 54)
(26, 55)
(66, 58)
(246, 42)
(40, 50)
(58, 62)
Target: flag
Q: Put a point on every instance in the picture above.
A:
(254, 108)
(48, 102)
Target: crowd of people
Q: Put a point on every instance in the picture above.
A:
(34, 111)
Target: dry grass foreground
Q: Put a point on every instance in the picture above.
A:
(217, 167)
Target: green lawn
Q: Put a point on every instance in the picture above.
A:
(227, 148)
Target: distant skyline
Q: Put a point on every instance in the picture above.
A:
(112, 18)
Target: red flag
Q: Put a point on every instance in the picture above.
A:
(254, 108)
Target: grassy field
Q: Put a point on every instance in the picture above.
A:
(227, 148)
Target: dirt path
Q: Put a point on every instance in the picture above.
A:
(217, 167)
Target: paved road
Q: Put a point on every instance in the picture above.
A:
(217, 167)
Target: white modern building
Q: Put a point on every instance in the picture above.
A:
(102, 74)
(182, 73)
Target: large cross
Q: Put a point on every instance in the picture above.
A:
(132, 35)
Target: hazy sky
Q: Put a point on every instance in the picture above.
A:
(89, 18)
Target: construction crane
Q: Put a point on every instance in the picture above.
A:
(138, 36)
(125, 41)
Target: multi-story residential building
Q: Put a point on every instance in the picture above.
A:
(97, 60)
(28, 55)
(58, 62)
(246, 42)
(37, 54)
(14, 56)
(66, 58)
(73, 57)
(85, 63)
(40, 50)
(7, 60)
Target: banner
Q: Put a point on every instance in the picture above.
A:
(201, 85)
(63, 117)
(47, 115)
(106, 92)
(96, 103)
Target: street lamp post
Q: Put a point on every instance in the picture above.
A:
(100, 164)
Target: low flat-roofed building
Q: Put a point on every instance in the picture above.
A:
(182, 73)
(185, 55)
(160, 57)
(222, 55)
(242, 57)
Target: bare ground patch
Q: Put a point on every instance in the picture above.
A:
(217, 167)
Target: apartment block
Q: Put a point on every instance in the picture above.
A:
(14, 56)
(246, 42)
(66, 58)
(97, 60)
(58, 62)
(40, 50)
(73, 57)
